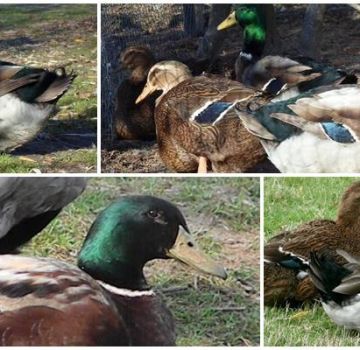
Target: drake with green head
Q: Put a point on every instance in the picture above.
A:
(107, 301)
(275, 73)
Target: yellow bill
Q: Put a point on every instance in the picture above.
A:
(186, 250)
(147, 90)
(229, 22)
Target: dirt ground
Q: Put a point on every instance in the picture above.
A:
(340, 47)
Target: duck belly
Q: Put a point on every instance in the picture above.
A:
(306, 153)
(20, 121)
(347, 316)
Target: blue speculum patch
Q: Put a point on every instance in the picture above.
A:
(212, 112)
(337, 132)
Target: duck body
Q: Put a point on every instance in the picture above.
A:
(106, 299)
(27, 205)
(316, 131)
(135, 122)
(339, 288)
(27, 99)
(286, 278)
(41, 297)
(195, 118)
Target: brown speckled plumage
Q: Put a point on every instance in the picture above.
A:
(182, 140)
(282, 285)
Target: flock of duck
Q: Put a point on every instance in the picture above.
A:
(105, 299)
(300, 114)
(319, 260)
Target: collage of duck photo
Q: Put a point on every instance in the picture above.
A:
(142, 194)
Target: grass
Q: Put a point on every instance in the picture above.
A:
(51, 36)
(222, 214)
(290, 202)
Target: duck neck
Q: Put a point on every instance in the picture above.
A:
(349, 209)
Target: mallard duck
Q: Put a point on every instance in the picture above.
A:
(106, 299)
(135, 122)
(317, 131)
(27, 205)
(295, 75)
(338, 286)
(27, 99)
(196, 123)
(285, 280)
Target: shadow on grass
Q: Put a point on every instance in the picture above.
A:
(63, 135)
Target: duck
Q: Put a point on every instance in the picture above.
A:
(314, 132)
(105, 299)
(196, 126)
(286, 282)
(28, 97)
(135, 121)
(293, 74)
(28, 205)
(337, 284)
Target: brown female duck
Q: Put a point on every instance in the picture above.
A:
(284, 280)
(135, 122)
(196, 124)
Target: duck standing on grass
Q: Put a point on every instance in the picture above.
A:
(106, 301)
(28, 97)
(285, 279)
(28, 205)
(196, 124)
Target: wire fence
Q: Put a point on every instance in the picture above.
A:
(125, 25)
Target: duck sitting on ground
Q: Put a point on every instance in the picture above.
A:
(296, 75)
(28, 205)
(27, 99)
(135, 121)
(106, 301)
(196, 122)
(285, 281)
(317, 131)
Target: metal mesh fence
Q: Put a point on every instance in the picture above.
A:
(136, 24)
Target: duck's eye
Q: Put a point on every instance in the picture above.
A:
(153, 214)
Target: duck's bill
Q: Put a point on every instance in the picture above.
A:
(229, 22)
(186, 250)
(145, 93)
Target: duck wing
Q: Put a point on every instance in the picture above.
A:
(34, 85)
(328, 112)
(48, 302)
(27, 205)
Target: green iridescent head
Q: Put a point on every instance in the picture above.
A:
(131, 232)
(252, 19)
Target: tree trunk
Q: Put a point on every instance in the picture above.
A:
(312, 31)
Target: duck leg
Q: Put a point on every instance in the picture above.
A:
(202, 165)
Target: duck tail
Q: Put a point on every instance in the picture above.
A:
(60, 84)
(326, 275)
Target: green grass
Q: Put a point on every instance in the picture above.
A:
(50, 36)
(207, 311)
(290, 202)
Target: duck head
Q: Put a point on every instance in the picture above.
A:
(133, 231)
(252, 19)
(164, 76)
(138, 60)
(349, 209)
